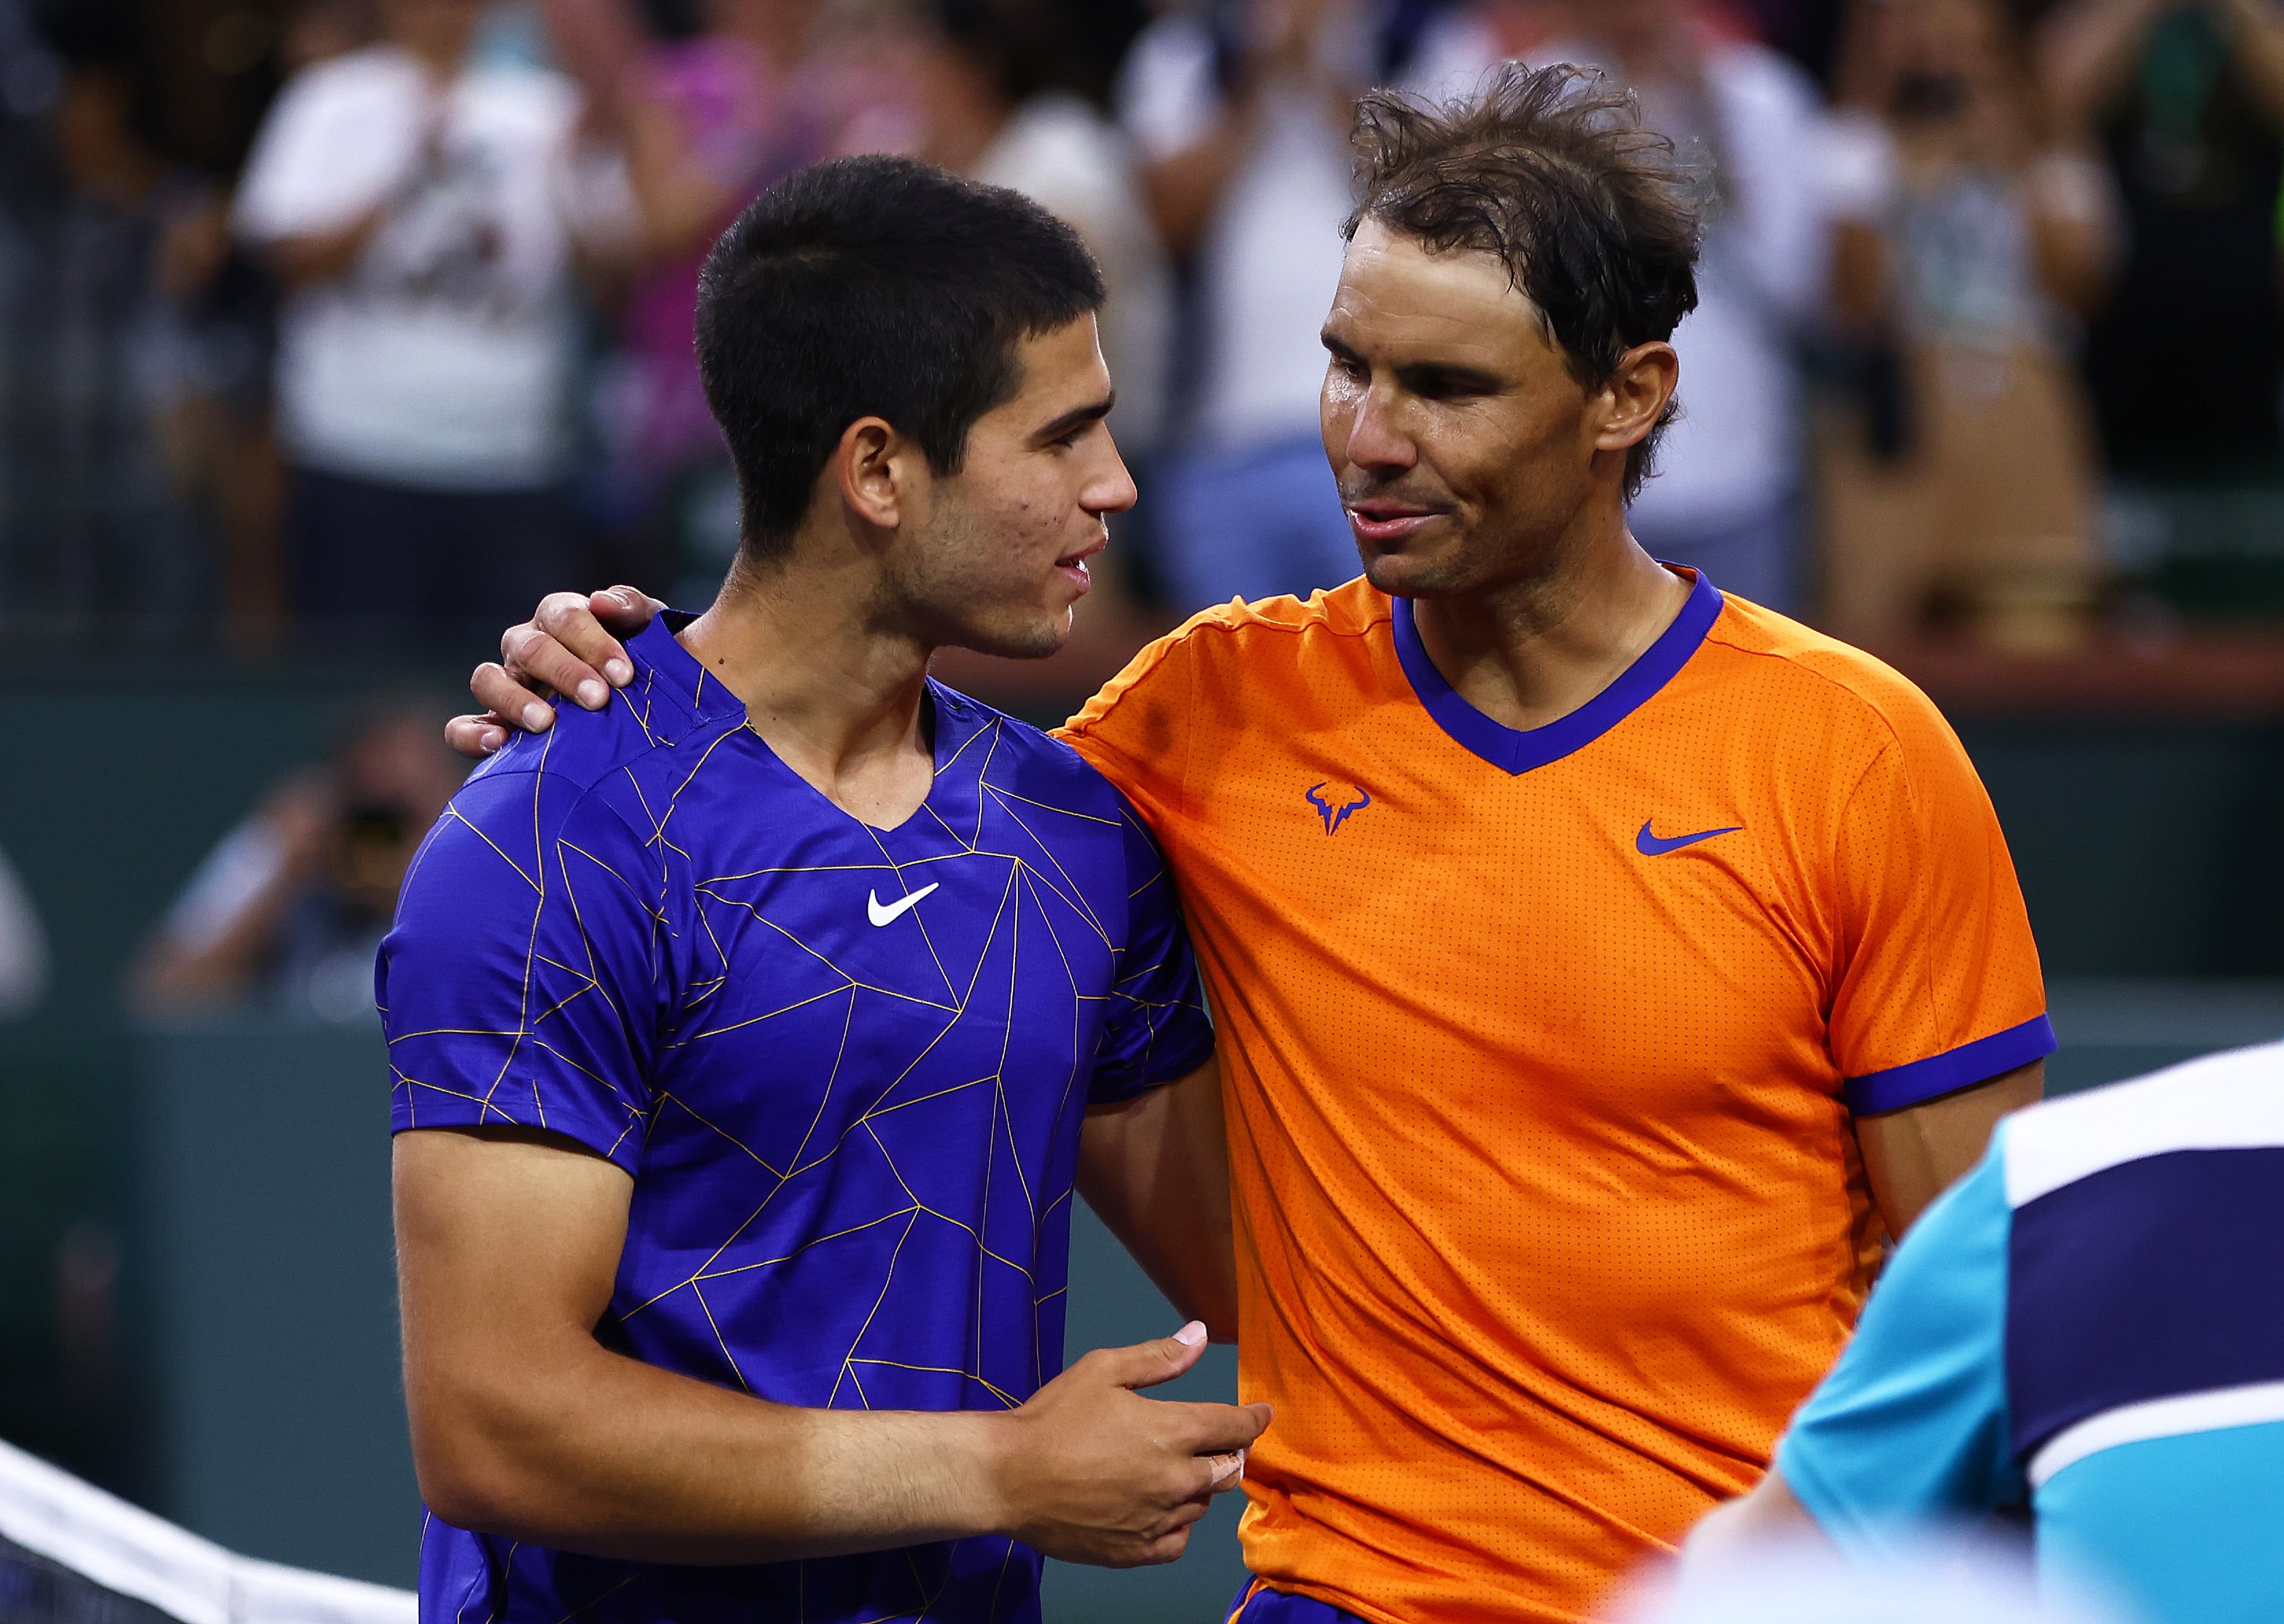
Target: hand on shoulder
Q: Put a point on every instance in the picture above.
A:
(567, 648)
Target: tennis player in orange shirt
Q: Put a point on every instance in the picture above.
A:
(1602, 964)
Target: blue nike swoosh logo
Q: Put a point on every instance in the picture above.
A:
(1649, 846)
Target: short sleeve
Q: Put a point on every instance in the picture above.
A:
(1911, 1426)
(1157, 1029)
(1938, 985)
(524, 978)
(1136, 731)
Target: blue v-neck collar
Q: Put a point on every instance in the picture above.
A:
(698, 698)
(1518, 750)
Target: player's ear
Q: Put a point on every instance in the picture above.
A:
(872, 472)
(1636, 395)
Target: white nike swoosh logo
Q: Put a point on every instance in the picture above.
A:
(894, 910)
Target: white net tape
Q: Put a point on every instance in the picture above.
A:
(72, 1554)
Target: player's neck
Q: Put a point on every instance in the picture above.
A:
(837, 697)
(1530, 653)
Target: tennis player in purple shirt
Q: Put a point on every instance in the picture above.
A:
(750, 1034)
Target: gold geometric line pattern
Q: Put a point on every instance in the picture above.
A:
(668, 998)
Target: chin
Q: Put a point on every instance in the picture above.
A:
(1028, 639)
(1403, 575)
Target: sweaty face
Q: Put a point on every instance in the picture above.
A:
(999, 555)
(1462, 445)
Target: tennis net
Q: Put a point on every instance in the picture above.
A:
(72, 1554)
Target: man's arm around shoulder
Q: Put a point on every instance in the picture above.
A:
(524, 1424)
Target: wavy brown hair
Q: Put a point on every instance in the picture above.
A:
(1596, 220)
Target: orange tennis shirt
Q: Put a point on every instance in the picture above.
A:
(1539, 1050)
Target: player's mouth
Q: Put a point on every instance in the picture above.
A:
(1384, 523)
(1072, 565)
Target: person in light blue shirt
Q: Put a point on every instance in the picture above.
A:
(2089, 1324)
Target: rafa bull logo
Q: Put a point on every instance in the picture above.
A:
(1334, 803)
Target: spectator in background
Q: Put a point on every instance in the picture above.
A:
(1808, 31)
(424, 214)
(1727, 492)
(707, 122)
(1965, 235)
(1242, 117)
(2186, 357)
(91, 354)
(990, 117)
(288, 909)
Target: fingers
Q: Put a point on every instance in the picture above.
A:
(508, 700)
(1166, 1548)
(552, 609)
(1167, 1544)
(1228, 1471)
(1214, 1474)
(625, 610)
(571, 621)
(1212, 1429)
(535, 656)
(475, 737)
(1145, 1364)
(1183, 1515)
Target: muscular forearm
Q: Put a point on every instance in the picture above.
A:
(508, 1244)
(583, 1449)
(523, 1423)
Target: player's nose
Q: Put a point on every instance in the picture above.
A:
(1374, 439)
(1111, 489)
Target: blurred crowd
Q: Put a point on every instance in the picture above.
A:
(360, 321)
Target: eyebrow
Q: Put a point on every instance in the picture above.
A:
(1093, 412)
(1473, 380)
(1413, 373)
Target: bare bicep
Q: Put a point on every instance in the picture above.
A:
(504, 1233)
(1912, 1155)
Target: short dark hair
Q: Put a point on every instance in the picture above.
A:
(1597, 219)
(872, 287)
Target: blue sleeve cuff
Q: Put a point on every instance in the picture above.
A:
(1173, 1055)
(1901, 1086)
(418, 1105)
